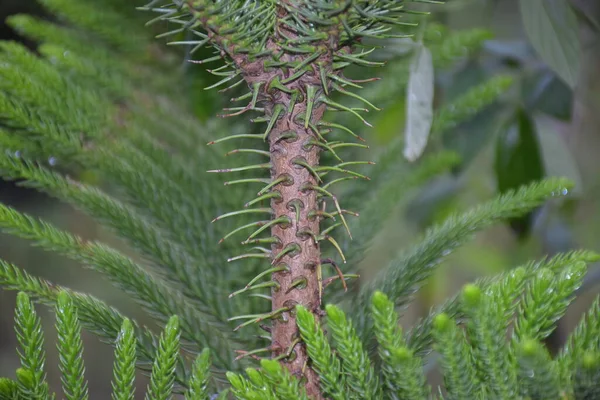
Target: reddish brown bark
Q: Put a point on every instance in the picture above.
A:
(298, 284)
(289, 143)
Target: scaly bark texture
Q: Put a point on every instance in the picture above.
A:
(291, 54)
(293, 155)
(299, 283)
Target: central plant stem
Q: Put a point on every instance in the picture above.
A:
(292, 151)
(291, 100)
(291, 54)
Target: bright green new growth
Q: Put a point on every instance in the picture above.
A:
(402, 372)
(70, 348)
(163, 369)
(325, 363)
(355, 361)
(199, 381)
(538, 373)
(457, 362)
(31, 383)
(31, 376)
(103, 100)
(124, 365)
(486, 329)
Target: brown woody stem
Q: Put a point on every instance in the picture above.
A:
(291, 98)
(301, 264)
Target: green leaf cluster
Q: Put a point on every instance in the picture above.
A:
(98, 119)
(491, 349)
(31, 382)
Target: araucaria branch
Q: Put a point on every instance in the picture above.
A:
(291, 55)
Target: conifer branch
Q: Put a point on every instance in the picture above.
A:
(156, 297)
(419, 338)
(94, 314)
(98, 97)
(404, 275)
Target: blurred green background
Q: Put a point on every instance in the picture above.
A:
(558, 131)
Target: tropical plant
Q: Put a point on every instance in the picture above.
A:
(101, 98)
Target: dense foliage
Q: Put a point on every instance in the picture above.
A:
(98, 117)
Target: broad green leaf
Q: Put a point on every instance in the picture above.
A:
(552, 29)
(516, 50)
(548, 93)
(419, 104)
(558, 160)
(518, 161)
(586, 14)
(472, 111)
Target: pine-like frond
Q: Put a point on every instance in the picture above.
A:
(285, 386)
(451, 47)
(458, 362)
(98, 96)
(403, 375)
(458, 44)
(137, 163)
(538, 374)
(580, 353)
(70, 349)
(254, 388)
(156, 297)
(486, 329)
(325, 362)
(66, 106)
(547, 298)
(419, 337)
(163, 369)
(199, 380)
(356, 366)
(124, 365)
(32, 378)
(95, 315)
(383, 202)
(9, 389)
(173, 260)
(103, 21)
(462, 109)
(586, 377)
(31, 383)
(470, 103)
(407, 272)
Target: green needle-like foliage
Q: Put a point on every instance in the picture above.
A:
(377, 209)
(32, 378)
(70, 347)
(538, 322)
(406, 273)
(585, 378)
(403, 375)
(163, 370)
(538, 373)
(199, 380)
(94, 314)
(99, 118)
(324, 360)
(121, 269)
(124, 365)
(284, 385)
(355, 361)
(9, 389)
(458, 361)
(486, 330)
(470, 103)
